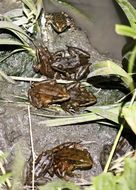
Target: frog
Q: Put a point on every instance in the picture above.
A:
(59, 66)
(45, 58)
(59, 21)
(61, 161)
(42, 94)
(71, 156)
(75, 66)
(122, 147)
(79, 97)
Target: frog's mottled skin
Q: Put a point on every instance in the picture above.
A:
(61, 161)
(59, 21)
(79, 97)
(41, 94)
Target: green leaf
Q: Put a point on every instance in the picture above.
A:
(129, 11)
(126, 181)
(10, 42)
(109, 67)
(110, 112)
(104, 182)
(125, 31)
(30, 4)
(39, 6)
(59, 185)
(70, 120)
(4, 177)
(16, 30)
(110, 115)
(130, 116)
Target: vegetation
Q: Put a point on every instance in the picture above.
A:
(126, 110)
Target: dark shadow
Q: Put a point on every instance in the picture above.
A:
(108, 82)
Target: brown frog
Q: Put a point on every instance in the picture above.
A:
(61, 161)
(75, 66)
(57, 65)
(45, 59)
(59, 21)
(41, 94)
(79, 97)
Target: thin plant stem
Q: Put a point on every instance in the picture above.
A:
(32, 146)
(113, 148)
(131, 66)
(133, 98)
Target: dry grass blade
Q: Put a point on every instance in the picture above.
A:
(7, 78)
(32, 145)
(118, 165)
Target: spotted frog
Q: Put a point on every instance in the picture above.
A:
(61, 161)
(75, 66)
(79, 97)
(41, 94)
(57, 65)
(59, 21)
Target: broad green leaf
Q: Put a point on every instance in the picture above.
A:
(70, 120)
(110, 115)
(125, 31)
(130, 173)
(16, 30)
(108, 181)
(109, 67)
(130, 116)
(129, 11)
(101, 183)
(104, 181)
(10, 42)
(128, 180)
(59, 185)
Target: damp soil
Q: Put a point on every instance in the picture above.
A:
(14, 120)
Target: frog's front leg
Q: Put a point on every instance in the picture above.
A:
(74, 51)
(82, 72)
